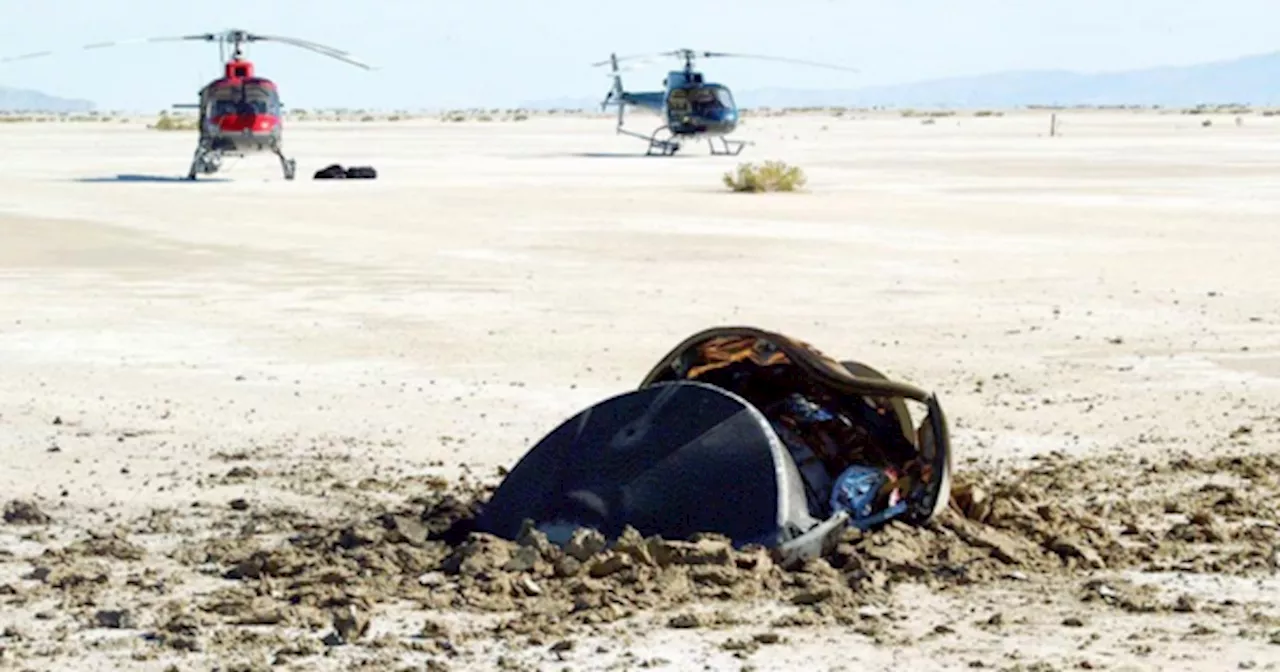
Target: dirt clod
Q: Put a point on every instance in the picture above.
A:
(24, 512)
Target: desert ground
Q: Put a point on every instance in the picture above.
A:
(229, 408)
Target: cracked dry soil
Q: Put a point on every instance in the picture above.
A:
(398, 587)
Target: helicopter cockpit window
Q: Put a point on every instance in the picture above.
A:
(222, 108)
(711, 99)
(723, 96)
(247, 100)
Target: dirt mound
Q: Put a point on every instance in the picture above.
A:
(305, 582)
(1060, 517)
(1217, 515)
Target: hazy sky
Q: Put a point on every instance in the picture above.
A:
(494, 53)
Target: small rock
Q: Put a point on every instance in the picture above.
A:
(404, 529)
(530, 587)
(708, 551)
(686, 621)
(1073, 622)
(239, 504)
(584, 544)
(531, 537)
(432, 579)
(23, 512)
(243, 472)
(1070, 548)
(349, 624)
(115, 618)
(631, 543)
(435, 630)
(609, 565)
(523, 559)
(481, 553)
(813, 596)
(567, 567)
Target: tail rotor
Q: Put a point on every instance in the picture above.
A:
(614, 96)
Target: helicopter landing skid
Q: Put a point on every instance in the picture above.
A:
(206, 161)
(727, 147)
(289, 166)
(668, 146)
(660, 147)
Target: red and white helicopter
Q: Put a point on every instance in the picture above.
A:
(240, 112)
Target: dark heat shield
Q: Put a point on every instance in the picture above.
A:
(673, 459)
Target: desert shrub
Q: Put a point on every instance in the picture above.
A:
(988, 113)
(170, 123)
(934, 114)
(769, 176)
(367, 118)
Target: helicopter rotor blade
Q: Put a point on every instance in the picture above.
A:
(637, 57)
(95, 45)
(236, 35)
(301, 42)
(779, 59)
(336, 55)
(689, 55)
(223, 38)
(316, 47)
(638, 66)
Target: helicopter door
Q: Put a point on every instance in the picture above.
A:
(704, 102)
(678, 101)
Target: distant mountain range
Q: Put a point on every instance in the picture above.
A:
(25, 100)
(1252, 80)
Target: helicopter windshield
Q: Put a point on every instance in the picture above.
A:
(248, 99)
(723, 97)
(703, 101)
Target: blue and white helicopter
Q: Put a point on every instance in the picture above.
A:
(694, 108)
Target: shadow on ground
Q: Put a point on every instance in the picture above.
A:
(626, 155)
(148, 178)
